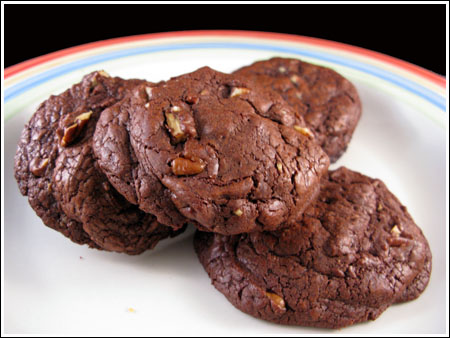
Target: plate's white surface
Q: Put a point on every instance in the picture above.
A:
(52, 286)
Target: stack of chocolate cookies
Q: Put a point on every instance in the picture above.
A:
(121, 164)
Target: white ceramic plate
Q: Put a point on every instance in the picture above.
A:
(53, 286)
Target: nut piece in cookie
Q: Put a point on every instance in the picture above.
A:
(186, 167)
(38, 165)
(71, 132)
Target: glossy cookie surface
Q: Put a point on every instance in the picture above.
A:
(231, 156)
(355, 252)
(327, 101)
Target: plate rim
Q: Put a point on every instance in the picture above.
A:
(415, 80)
(405, 65)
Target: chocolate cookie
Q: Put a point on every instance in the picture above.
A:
(117, 159)
(230, 156)
(419, 283)
(54, 166)
(85, 194)
(354, 253)
(328, 102)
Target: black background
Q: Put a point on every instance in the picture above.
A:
(413, 32)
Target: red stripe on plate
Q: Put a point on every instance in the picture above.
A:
(422, 72)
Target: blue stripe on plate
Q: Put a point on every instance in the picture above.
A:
(411, 86)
